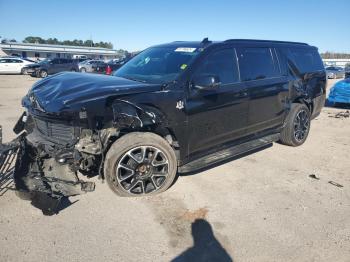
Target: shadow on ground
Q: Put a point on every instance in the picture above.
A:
(206, 247)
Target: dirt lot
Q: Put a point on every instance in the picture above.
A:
(263, 207)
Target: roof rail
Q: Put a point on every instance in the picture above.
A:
(264, 41)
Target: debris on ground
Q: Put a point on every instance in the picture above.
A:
(313, 176)
(335, 184)
(343, 114)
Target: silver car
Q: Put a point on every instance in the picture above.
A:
(335, 72)
(89, 66)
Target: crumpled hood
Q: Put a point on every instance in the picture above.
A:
(68, 91)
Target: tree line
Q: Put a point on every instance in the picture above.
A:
(55, 41)
(334, 55)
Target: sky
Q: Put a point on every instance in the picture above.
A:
(135, 25)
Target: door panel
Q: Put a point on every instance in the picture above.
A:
(11, 66)
(55, 67)
(18, 64)
(216, 117)
(3, 65)
(220, 114)
(266, 86)
(267, 103)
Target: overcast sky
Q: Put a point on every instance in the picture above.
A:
(135, 25)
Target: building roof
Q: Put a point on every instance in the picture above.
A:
(57, 48)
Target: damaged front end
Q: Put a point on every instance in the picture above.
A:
(69, 124)
(54, 155)
(51, 158)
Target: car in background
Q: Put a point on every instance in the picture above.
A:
(51, 66)
(92, 66)
(335, 72)
(347, 72)
(114, 65)
(340, 92)
(13, 65)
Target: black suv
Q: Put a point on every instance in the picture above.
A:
(51, 66)
(173, 108)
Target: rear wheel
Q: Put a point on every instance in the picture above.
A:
(43, 73)
(24, 71)
(83, 70)
(297, 126)
(140, 164)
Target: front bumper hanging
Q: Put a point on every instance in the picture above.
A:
(8, 153)
(47, 189)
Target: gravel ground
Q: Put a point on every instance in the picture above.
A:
(263, 207)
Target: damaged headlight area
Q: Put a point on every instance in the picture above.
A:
(52, 158)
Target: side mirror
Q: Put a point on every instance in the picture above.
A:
(206, 82)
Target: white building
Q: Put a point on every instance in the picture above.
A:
(42, 51)
(336, 62)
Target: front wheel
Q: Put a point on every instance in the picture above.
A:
(297, 125)
(140, 164)
(43, 73)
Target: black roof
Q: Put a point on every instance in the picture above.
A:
(207, 43)
(263, 41)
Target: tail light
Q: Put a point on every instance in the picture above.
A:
(108, 70)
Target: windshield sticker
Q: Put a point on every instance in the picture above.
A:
(185, 49)
(183, 66)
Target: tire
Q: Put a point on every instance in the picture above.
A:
(129, 174)
(83, 70)
(296, 130)
(43, 73)
(24, 71)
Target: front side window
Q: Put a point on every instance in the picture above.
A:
(257, 63)
(158, 64)
(220, 63)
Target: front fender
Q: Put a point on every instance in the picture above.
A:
(127, 115)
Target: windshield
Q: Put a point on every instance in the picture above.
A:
(158, 64)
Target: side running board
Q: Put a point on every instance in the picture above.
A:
(228, 153)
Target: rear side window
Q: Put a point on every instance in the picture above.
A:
(257, 63)
(307, 60)
(221, 63)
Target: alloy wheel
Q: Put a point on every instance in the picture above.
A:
(301, 125)
(142, 170)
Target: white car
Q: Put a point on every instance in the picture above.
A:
(13, 65)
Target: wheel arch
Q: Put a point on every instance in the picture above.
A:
(130, 117)
(306, 101)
